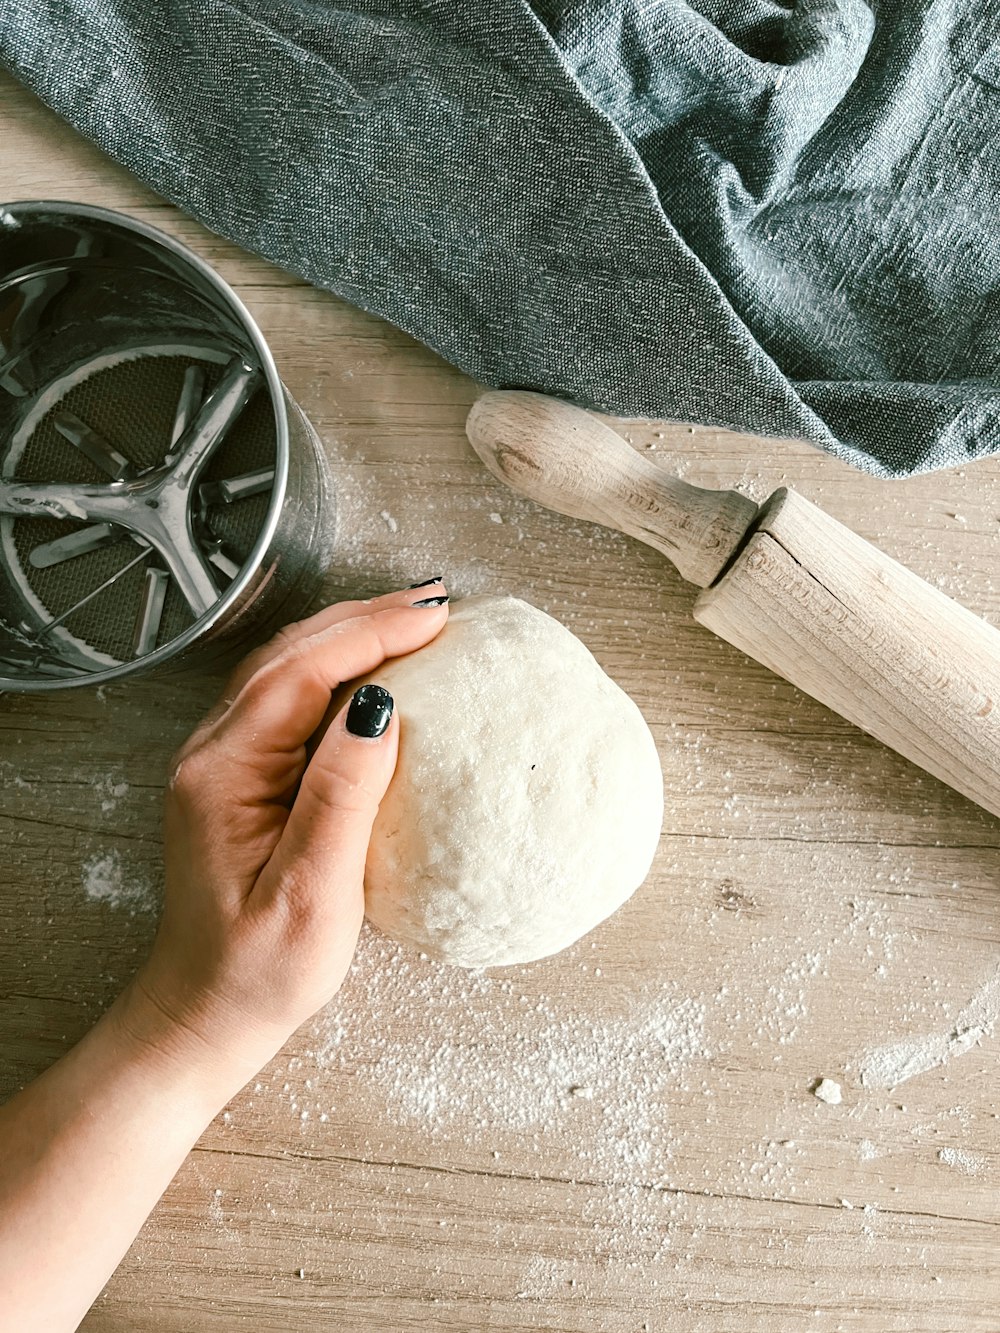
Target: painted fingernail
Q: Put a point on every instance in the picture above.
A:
(431, 601)
(427, 582)
(370, 711)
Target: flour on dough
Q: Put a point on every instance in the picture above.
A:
(528, 798)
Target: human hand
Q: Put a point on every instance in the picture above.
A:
(268, 819)
(266, 837)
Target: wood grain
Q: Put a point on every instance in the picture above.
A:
(835, 616)
(814, 896)
(570, 461)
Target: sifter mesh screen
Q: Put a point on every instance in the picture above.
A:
(133, 405)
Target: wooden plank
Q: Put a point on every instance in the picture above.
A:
(814, 899)
(508, 1254)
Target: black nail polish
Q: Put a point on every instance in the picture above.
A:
(427, 582)
(370, 711)
(431, 601)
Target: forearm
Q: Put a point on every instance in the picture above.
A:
(269, 815)
(85, 1153)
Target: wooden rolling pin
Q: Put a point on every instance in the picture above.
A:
(784, 582)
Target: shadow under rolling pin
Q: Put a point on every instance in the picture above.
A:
(783, 581)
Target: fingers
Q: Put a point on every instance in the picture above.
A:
(295, 634)
(284, 702)
(324, 619)
(325, 841)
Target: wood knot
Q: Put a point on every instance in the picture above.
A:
(731, 899)
(511, 460)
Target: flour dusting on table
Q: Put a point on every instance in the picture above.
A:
(960, 1159)
(516, 1067)
(888, 1066)
(107, 879)
(110, 789)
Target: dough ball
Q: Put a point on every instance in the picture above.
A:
(528, 798)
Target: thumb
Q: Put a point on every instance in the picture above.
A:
(329, 826)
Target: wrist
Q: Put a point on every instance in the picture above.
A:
(149, 1035)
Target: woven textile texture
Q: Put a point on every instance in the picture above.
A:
(775, 215)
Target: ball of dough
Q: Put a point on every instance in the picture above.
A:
(527, 802)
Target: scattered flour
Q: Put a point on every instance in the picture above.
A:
(110, 790)
(472, 1055)
(9, 775)
(480, 1063)
(961, 1160)
(107, 880)
(887, 1066)
(868, 1227)
(361, 543)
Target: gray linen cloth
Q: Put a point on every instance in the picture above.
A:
(774, 215)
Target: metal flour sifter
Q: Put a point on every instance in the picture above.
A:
(163, 501)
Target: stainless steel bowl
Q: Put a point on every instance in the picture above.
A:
(163, 501)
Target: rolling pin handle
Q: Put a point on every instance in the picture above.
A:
(566, 459)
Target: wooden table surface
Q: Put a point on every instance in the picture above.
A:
(624, 1137)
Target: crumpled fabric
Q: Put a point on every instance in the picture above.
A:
(773, 215)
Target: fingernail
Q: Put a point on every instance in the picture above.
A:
(431, 601)
(427, 582)
(370, 711)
